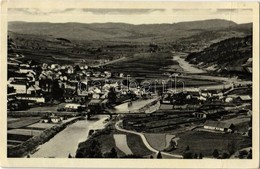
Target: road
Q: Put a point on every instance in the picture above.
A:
(145, 141)
(110, 62)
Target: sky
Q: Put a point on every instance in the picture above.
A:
(126, 15)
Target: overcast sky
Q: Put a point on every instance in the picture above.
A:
(133, 16)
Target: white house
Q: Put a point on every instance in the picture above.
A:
(219, 126)
(20, 87)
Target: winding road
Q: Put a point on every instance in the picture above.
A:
(117, 126)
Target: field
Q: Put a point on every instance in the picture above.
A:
(206, 142)
(26, 132)
(41, 125)
(156, 140)
(42, 108)
(137, 146)
(121, 143)
(143, 64)
(22, 122)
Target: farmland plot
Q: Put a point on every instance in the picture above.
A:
(121, 143)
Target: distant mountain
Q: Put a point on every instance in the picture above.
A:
(229, 54)
(122, 31)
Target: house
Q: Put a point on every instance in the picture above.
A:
(244, 98)
(30, 97)
(33, 89)
(19, 86)
(121, 75)
(166, 107)
(167, 99)
(219, 126)
(200, 115)
(248, 65)
(71, 107)
(108, 74)
(55, 119)
(27, 70)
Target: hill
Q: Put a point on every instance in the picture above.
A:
(227, 55)
(90, 43)
(119, 31)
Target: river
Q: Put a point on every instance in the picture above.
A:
(66, 142)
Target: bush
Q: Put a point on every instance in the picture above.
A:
(215, 153)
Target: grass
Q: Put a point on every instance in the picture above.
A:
(41, 125)
(28, 132)
(156, 140)
(206, 142)
(136, 145)
(43, 108)
(23, 122)
(121, 143)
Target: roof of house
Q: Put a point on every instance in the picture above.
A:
(95, 101)
(245, 97)
(166, 107)
(34, 87)
(248, 62)
(218, 124)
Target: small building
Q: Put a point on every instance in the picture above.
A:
(244, 98)
(19, 87)
(71, 107)
(219, 126)
(31, 97)
(55, 119)
(33, 89)
(166, 107)
(248, 65)
(200, 115)
(121, 75)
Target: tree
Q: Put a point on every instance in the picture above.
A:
(249, 156)
(187, 148)
(112, 96)
(215, 153)
(224, 155)
(69, 156)
(91, 149)
(195, 156)
(187, 155)
(151, 156)
(200, 156)
(231, 147)
(57, 91)
(77, 68)
(159, 155)
(113, 153)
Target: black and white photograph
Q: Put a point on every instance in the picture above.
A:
(122, 82)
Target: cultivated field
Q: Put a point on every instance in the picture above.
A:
(22, 122)
(206, 142)
(121, 143)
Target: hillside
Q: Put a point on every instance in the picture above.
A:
(90, 43)
(119, 31)
(229, 54)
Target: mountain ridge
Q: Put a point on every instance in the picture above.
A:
(117, 31)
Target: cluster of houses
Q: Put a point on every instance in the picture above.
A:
(197, 96)
(32, 82)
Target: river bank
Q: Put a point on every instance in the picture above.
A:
(31, 144)
(66, 142)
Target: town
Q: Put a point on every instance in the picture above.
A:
(42, 97)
